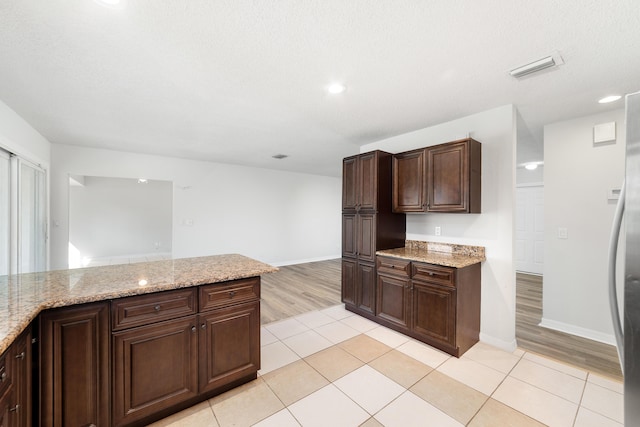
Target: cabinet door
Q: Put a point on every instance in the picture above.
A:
(349, 235)
(409, 189)
(434, 312)
(367, 181)
(22, 357)
(154, 367)
(229, 345)
(350, 183)
(349, 281)
(366, 288)
(366, 237)
(394, 298)
(7, 418)
(74, 366)
(448, 178)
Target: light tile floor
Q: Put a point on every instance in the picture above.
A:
(333, 368)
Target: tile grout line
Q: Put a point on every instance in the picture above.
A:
(496, 389)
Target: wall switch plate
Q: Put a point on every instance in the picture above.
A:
(438, 231)
(563, 233)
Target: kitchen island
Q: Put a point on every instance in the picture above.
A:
(127, 344)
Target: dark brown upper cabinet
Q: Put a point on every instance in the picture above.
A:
(409, 189)
(441, 178)
(360, 184)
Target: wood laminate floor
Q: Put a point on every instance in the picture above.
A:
(587, 354)
(301, 288)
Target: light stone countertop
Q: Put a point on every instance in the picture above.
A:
(23, 296)
(445, 254)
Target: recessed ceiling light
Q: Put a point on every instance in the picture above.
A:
(609, 98)
(336, 88)
(531, 166)
(143, 181)
(280, 156)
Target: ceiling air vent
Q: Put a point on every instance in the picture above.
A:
(280, 156)
(533, 67)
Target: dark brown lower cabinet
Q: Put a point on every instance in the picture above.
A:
(154, 367)
(74, 366)
(229, 345)
(5, 403)
(394, 299)
(435, 304)
(434, 312)
(22, 374)
(359, 285)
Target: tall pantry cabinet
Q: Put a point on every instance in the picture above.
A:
(368, 225)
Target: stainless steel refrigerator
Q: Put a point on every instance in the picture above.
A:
(628, 331)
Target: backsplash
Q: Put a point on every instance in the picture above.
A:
(447, 248)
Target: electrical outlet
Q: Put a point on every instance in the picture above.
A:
(438, 231)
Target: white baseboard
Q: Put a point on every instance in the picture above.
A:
(509, 346)
(305, 260)
(578, 331)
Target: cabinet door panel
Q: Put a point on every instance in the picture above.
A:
(74, 366)
(350, 183)
(22, 359)
(366, 288)
(349, 281)
(366, 236)
(394, 300)
(434, 311)
(229, 345)
(409, 190)
(448, 183)
(155, 367)
(349, 236)
(367, 181)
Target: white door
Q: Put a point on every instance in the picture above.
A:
(530, 229)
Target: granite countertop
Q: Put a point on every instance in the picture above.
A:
(23, 296)
(444, 254)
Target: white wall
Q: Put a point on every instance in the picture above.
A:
(577, 177)
(118, 216)
(493, 228)
(274, 216)
(17, 136)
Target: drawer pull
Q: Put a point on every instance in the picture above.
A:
(232, 294)
(20, 356)
(393, 266)
(203, 326)
(157, 307)
(3, 377)
(14, 409)
(193, 329)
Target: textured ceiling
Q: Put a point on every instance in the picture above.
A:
(238, 81)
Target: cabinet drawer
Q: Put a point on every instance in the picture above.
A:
(395, 266)
(229, 293)
(433, 273)
(152, 308)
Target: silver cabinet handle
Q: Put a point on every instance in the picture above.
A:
(193, 329)
(20, 356)
(14, 409)
(203, 326)
(157, 307)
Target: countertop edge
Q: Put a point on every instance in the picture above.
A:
(460, 261)
(21, 324)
